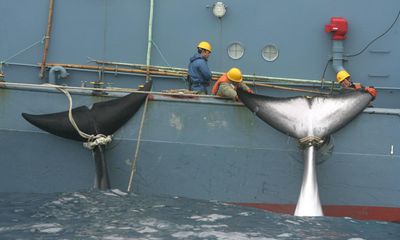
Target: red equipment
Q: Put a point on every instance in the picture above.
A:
(338, 28)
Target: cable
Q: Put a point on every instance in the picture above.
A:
(362, 50)
(163, 57)
(23, 50)
(391, 26)
(323, 73)
(323, 77)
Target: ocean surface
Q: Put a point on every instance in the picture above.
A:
(114, 215)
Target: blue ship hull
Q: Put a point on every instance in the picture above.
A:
(199, 146)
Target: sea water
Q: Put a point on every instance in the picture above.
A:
(114, 215)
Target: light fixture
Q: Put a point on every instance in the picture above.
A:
(219, 9)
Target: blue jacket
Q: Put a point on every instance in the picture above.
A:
(198, 71)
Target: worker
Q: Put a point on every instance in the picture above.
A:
(199, 75)
(227, 84)
(343, 78)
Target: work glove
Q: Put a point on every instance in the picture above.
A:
(371, 90)
(357, 86)
(250, 91)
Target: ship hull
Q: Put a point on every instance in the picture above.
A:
(202, 147)
(234, 157)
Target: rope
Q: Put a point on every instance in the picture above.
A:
(23, 50)
(92, 140)
(133, 169)
(164, 59)
(310, 141)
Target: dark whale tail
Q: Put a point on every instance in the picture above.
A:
(102, 118)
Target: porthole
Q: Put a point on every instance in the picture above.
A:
(235, 50)
(270, 52)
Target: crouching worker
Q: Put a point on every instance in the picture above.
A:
(228, 83)
(343, 78)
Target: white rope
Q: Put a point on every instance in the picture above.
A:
(92, 140)
(311, 141)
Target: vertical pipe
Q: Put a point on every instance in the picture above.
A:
(309, 203)
(149, 39)
(47, 38)
(337, 55)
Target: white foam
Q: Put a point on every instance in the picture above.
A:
(151, 222)
(51, 230)
(146, 230)
(47, 227)
(63, 200)
(284, 235)
(183, 235)
(214, 226)
(110, 194)
(79, 196)
(356, 239)
(119, 192)
(112, 237)
(381, 222)
(245, 214)
(13, 228)
(210, 218)
(293, 222)
(184, 227)
(219, 235)
(125, 228)
(158, 206)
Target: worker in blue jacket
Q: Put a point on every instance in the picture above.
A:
(199, 75)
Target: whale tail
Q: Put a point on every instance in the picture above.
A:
(307, 119)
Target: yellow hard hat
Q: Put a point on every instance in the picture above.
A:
(235, 75)
(342, 75)
(205, 45)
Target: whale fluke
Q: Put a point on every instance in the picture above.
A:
(307, 118)
(302, 116)
(102, 118)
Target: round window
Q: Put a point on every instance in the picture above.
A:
(270, 52)
(235, 50)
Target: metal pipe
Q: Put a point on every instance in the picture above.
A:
(149, 39)
(216, 75)
(288, 88)
(113, 71)
(54, 70)
(119, 92)
(309, 203)
(48, 87)
(171, 74)
(337, 55)
(47, 38)
(387, 111)
(99, 68)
